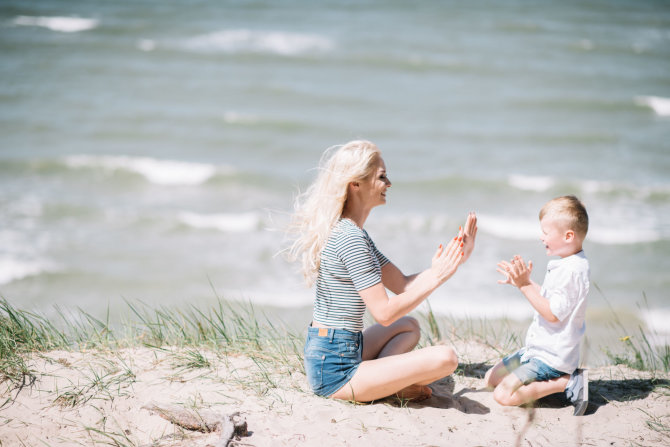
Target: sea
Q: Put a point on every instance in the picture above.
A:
(151, 150)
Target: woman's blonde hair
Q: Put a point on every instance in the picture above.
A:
(318, 209)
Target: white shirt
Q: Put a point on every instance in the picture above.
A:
(566, 286)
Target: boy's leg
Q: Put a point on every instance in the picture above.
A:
(511, 391)
(496, 374)
(505, 366)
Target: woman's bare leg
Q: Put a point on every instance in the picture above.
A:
(512, 392)
(397, 338)
(382, 377)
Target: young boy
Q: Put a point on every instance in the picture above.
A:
(548, 363)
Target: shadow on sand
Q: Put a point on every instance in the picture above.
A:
(444, 397)
(601, 391)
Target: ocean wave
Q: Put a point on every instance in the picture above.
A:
(546, 183)
(622, 236)
(146, 45)
(515, 228)
(465, 305)
(657, 322)
(61, 24)
(228, 223)
(240, 118)
(530, 183)
(12, 269)
(160, 172)
(509, 227)
(249, 41)
(661, 106)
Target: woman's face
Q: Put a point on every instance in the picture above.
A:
(374, 189)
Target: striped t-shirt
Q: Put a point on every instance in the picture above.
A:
(349, 262)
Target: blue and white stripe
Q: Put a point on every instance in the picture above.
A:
(350, 262)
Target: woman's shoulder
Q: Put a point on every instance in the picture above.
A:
(346, 231)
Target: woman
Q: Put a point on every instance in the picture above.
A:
(341, 360)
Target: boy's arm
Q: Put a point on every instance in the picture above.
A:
(517, 273)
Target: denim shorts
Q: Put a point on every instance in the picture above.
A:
(530, 370)
(332, 357)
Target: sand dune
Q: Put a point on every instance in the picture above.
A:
(97, 398)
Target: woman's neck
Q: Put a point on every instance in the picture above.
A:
(356, 216)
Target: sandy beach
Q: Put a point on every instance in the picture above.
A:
(102, 397)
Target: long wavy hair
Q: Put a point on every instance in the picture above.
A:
(318, 209)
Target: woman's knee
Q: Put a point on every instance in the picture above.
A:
(409, 324)
(446, 359)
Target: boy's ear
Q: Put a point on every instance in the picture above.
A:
(569, 236)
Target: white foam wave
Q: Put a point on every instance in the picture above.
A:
(239, 118)
(61, 24)
(661, 106)
(160, 172)
(248, 41)
(544, 183)
(530, 183)
(12, 269)
(509, 227)
(622, 236)
(657, 324)
(229, 223)
(529, 229)
(465, 306)
(146, 45)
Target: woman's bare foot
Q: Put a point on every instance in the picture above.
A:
(415, 392)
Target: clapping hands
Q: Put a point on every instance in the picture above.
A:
(516, 272)
(468, 235)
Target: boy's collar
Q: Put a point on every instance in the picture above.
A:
(579, 254)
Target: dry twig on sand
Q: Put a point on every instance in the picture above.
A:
(205, 421)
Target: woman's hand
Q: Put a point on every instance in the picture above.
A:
(469, 233)
(516, 272)
(447, 259)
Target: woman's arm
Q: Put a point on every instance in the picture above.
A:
(412, 289)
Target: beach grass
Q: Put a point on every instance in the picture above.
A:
(237, 328)
(635, 349)
(189, 334)
(195, 341)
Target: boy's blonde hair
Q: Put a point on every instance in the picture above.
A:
(318, 209)
(571, 211)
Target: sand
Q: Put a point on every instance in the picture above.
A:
(97, 398)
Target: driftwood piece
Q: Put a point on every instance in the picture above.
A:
(204, 421)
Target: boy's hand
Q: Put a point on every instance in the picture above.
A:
(469, 233)
(516, 272)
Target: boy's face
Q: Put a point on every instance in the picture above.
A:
(558, 240)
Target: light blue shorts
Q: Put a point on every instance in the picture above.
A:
(332, 357)
(531, 370)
